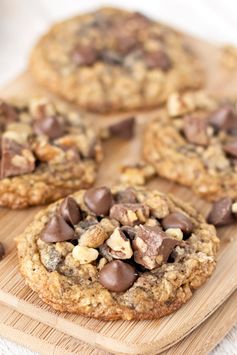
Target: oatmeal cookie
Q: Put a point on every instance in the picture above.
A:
(194, 143)
(123, 253)
(111, 60)
(47, 152)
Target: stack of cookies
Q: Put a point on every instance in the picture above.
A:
(127, 251)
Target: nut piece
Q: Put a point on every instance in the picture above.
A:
(102, 263)
(234, 208)
(178, 105)
(152, 246)
(93, 237)
(130, 214)
(120, 245)
(84, 255)
(175, 233)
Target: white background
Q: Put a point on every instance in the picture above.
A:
(22, 21)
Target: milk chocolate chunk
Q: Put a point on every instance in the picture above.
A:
(84, 55)
(16, 159)
(117, 276)
(221, 212)
(158, 60)
(99, 200)
(126, 43)
(152, 247)
(50, 126)
(126, 196)
(57, 230)
(129, 214)
(2, 251)
(178, 220)
(70, 211)
(123, 129)
(224, 118)
(231, 148)
(195, 130)
(8, 111)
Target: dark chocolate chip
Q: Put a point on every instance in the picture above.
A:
(178, 220)
(84, 55)
(231, 148)
(50, 126)
(129, 232)
(13, 153)
(70, 211)
(224, 118)
(158, 60)
(99, 200)
(152, 247)
(221, 212)
(124, 128)
(117, 276)
(57, 230)
(195, 130)
(126, 196)
(2, 251)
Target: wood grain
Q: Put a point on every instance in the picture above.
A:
(124, 337)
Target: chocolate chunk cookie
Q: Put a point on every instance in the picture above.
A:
(194, 142)
(101, 255)
(111, 60)
(47, 152)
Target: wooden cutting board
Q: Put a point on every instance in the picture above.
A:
(39, 337)
(125, 337)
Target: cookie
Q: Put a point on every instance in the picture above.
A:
(123, 253)
(111, 60)
(194, 143)
(47, 152)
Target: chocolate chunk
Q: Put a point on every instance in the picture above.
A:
(224, 118)
(111, 57)
(50, 126)
(195, 130)
(2, 251)
(152, 247)
(126, 196)
(70, 211)
(8, 112)
(158, 60)
(84, 55)
(178, 220)
(231, 148)
(99, 200)
(117, 276)
(16, 159)
(130, 214)
(123, 129)
(221, 212)
(126, 43)
(129, 232)
(57, 230)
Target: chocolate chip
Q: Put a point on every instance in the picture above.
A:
(128, 231)
(16, 159)
(8, 112)
(117, 276)
(152, 246)
(57, 230)
(123, 129)
(2, 251)
(84, 55)
(70, 211)
(221, 212)
(126, 43)
(178, 220)
(224, 118)
(126, 196)
(99, 200)
(195, 130)
(231, 148)
(158, 60)
(50, 126)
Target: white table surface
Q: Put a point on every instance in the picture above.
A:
(22, 21)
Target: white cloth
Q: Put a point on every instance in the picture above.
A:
(21, 22)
